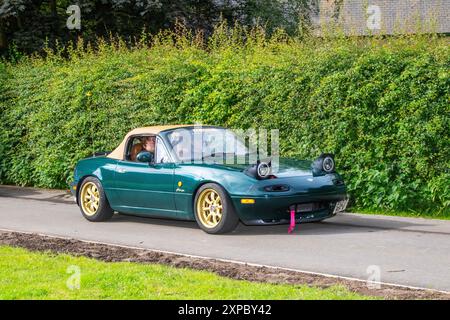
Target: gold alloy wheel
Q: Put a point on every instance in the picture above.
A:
(89, 198)
(209, 208)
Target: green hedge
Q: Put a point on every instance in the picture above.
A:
(381, 105)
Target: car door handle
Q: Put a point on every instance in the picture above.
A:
(121, 170)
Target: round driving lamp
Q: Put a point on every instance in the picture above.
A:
(328, 164)
(263, 170)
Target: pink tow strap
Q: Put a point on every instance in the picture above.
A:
(292, 225)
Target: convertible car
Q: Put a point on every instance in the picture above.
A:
(185, 172)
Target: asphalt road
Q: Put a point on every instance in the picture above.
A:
(413, 252)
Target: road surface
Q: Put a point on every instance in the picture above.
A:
(407, 251)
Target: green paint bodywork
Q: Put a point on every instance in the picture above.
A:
(152, 190)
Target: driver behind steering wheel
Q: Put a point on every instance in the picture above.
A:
(147, 144)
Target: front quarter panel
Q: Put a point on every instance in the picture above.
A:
(192, 176)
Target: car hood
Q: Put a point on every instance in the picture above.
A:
(287, 167)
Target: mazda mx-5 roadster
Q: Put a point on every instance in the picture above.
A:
(206, 174)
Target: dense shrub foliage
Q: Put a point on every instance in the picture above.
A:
(381, 105)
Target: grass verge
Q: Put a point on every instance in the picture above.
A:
(407, 214)
(36, 275)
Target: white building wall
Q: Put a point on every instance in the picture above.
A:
(365, 17)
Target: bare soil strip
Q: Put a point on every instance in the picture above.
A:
(115, 253)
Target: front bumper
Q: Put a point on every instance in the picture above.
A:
(269, 210)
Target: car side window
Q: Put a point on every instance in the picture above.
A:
(161, 152)
(133, 148)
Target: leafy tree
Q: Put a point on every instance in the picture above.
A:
(30, 24)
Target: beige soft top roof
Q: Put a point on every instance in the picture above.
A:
(119, 151)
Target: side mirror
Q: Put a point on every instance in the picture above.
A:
(145, 156)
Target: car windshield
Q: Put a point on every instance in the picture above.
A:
(208, 144)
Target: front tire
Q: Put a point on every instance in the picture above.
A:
(92, 201)
(214, 211)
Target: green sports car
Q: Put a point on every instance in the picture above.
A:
(207, 174)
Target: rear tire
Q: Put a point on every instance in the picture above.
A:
(93, 202)
(214, 211)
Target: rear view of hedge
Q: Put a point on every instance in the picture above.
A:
(381, 105)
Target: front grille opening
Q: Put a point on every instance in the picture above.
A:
(309, 207)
